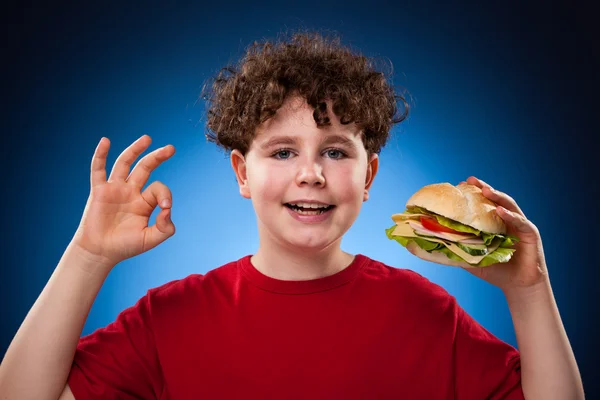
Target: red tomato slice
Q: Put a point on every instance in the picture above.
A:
(432, 224)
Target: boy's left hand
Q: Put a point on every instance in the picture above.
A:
(527, 267)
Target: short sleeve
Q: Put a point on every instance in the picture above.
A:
(485, 366)
(120, 360)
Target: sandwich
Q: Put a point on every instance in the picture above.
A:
(453, 225)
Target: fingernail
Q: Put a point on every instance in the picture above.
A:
(168, 216)
(165, 203)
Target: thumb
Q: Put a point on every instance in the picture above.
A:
(163, 229)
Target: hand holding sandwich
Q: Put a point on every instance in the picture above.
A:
(484, 231)
(527, 266)
(473, 227)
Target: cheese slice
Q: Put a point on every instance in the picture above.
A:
(404, 230)
(468, 257)
(404, 216)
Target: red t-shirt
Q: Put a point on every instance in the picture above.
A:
(369, 331)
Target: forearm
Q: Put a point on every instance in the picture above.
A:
(548, 366)
(38, 361)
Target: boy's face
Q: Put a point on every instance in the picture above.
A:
(292, 161)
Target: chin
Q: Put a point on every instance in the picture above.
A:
(309, 243)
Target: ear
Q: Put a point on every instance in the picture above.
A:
(372, 168)
(238, 163)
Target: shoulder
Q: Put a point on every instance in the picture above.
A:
(408, 285)
(194, 287)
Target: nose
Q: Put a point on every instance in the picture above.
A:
(311, 174)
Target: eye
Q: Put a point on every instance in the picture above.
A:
(282, 154)
(335, 154)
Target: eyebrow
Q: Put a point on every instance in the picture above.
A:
(290, 140)
(337, 139)
(278, 140)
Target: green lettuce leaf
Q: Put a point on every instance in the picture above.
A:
(426, 244)
(509, 241)
(488, 238)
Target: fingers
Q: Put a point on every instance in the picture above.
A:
(98, 169)
(507, 208)
(127, 157)
(141, 172)
(518, 221)
(160, 231)
(157, 193)
(500, 198)
(477, 182)
(165, 225)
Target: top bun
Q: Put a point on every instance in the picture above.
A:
(464, 203)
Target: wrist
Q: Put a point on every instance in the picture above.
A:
(525, 297)
(77, 257)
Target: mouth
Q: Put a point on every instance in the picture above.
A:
(309, 208)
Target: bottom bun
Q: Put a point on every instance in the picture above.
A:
(436, 256)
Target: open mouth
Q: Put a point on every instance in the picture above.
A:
(312, 209)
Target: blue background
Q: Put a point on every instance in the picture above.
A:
(502, 92)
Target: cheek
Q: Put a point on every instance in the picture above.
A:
(267, 182)
(351, 181)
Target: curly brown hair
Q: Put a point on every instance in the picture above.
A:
(313, 66)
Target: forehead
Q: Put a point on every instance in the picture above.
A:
(295, 118)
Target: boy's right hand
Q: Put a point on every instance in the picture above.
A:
(114, 226)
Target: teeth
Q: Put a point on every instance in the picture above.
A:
(309, 205)
(316, 212)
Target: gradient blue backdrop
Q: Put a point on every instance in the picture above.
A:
(503, 93)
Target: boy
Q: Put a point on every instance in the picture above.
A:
(304, 121)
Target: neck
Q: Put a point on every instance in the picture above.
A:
(288, 264)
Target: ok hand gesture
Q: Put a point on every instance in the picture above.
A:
(114, 225)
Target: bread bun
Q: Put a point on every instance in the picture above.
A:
(464, 203)
(435, 256)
